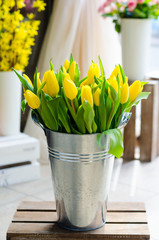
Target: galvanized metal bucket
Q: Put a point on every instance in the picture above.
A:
(81, 173)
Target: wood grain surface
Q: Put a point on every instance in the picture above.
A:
(38, 220)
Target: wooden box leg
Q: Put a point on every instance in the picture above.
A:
(149, 123)
(129, 138)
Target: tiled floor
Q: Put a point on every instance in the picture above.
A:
(132, 181)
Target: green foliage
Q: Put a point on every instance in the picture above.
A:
(87, 112)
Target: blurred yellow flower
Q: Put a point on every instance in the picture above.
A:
(86, 94)
(96, 97)
(113, 82)
(32, 100)
(72, 70)
(38, 80)
(28, 79)
(93, 71)
(124, 93)
(16, 34)
(134, 90)
(116, 72)
(51, 87)
(66, 64)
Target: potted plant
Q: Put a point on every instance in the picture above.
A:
(17, 34)
(81, 120)
(133, 19)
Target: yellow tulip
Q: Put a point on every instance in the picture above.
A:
(38, 80)
(85, 82)
(51, 87)
(93, 71)
(96, 97)
(113, 82)
(134, 90)
(72, 70)
(70, 88)
(66, 64)
(116, 72)
(86, 95)
(32, 100)
(124, 93)
(28, 79)
(64, 70)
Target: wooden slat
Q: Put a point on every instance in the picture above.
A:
(108, 231)
(35, 206)
(49, 217)
(27, 216)
(129, 138)
(126, 206)
(149, 123)
(32, 222)
(112, 206)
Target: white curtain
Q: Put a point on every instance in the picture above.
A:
(76, 26)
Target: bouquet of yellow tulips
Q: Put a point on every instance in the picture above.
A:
(95, 104)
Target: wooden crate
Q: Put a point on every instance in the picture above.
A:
(37, 220)
(148, 141)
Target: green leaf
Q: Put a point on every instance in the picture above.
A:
(101, 68)
(88, 115)
(77, 75)
(142, 95)
(25, 83)
(53, 106)
(51, 65)
(138, 13)
(122, 74)
(113, 93)
(117, 28)
(46, 115)
(35, 82)
(80, 119)
(102, 109)
(40, 88)
(94, 127)
(71, 59)
(63, 115)
(23, 105)
(116, 142)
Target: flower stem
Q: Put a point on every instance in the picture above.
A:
(110, 117)
(72, 105)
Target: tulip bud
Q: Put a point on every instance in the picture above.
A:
(28, 79)
(116, 72)
(96, 97)
(66, 64)
(38, 80)
(124, 93)
(51, 87)
(70, 88)
(134, 90)
(86, 95)
(72, 70)
(32, 100)
(93, 71)
(113, 82)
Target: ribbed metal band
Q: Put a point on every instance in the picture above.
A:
(69, 157)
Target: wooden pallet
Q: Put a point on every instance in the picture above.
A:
(148, 141)
(38, 221)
